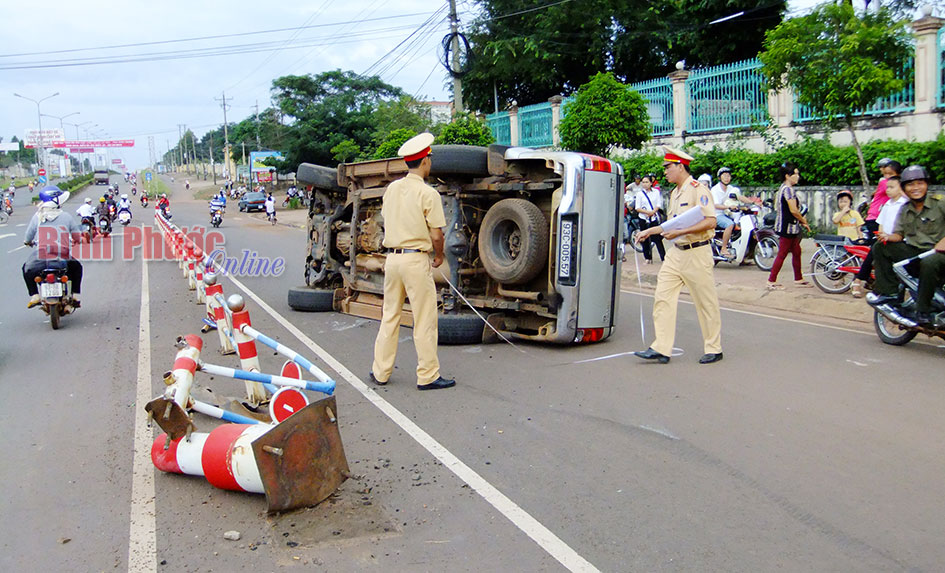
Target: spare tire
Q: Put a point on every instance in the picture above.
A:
(319, 177)
(308, 299)
(459, 160)
(513, 241)
(459, 328)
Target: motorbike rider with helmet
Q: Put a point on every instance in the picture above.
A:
(124, 202)
(722, 192)
(56, 230)
(85, 210)
(919, 227)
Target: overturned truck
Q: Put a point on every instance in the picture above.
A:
(533, 242)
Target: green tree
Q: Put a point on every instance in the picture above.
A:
(532, 50)
(838, 62)
(466, 130)
(345, 151)
(390, 146)
(605, 113)
(402, 113)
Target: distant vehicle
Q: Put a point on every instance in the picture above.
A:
(253, 201)
(101, 176)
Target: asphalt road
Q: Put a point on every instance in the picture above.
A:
(809, 448)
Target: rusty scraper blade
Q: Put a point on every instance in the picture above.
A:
(169, 416)
(301, 461)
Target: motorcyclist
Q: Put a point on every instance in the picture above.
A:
(163, 204)
(144, 199)
(86, 210)
(51, 246)
(919, 227)
(12, 189)
(270, 206)
(102, 210)
(124, 202)
(217, 204)
(187, 184)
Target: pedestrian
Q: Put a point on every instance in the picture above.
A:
(788, 227)
(688, 264)
(413, 228)
(270, 205)
(648, 204)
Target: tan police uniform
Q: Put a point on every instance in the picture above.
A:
(411, 209)
(688, 263)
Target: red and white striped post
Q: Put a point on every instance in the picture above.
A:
(246, 347)
(185, 365)
(191, 272)
(216, 313)
(224, 456)
(198, 277)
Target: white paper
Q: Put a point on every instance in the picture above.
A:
(683, 221)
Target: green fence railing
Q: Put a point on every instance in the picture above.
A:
(535, 125)
(659, 96)
(501, 127)
(941, 67)
(903, 101)
(729, 96)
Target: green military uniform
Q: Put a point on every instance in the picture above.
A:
(920, 231)
(411, 209)
(690, 264)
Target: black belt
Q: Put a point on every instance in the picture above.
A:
(399, 251)
(692, 245)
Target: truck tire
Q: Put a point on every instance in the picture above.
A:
(318, 176)
(307, 299)
(461, 328)
(513, 241)
(459, 160)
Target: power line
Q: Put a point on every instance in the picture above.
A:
(429, 21)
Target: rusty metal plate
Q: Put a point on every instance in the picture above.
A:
(260, 413)
(301, 461)
(170, 417)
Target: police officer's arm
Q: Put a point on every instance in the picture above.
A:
(703, 225)
(436, 235)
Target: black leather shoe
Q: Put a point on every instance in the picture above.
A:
(375, 380)
(437, 384)
(924, 318)
(650, 354)
(710, 358)
(876, 299)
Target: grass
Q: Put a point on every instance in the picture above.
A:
(153, 188)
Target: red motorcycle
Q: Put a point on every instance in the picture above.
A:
(836, 263)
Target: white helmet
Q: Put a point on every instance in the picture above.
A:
(88, 199)
(706, 179)
(124, 195)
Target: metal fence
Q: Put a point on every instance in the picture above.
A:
(903, 101)
(659, 96)
(941, 67)
(535, 125)
(729, 96)
(501, 127)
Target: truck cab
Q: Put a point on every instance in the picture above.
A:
(101, 176)
(531, 251)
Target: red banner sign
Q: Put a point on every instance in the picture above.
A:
(116, 161)
(82, 149)
(95, 143)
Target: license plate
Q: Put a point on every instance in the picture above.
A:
(47, 290)
(564, 259)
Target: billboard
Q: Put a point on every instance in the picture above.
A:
(50, 137)
(14, 146)
(257, 157)
(116, 161)
(95, 143)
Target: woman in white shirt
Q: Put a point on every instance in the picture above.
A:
(648, 201)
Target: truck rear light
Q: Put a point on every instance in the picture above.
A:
(594, 163)
(589, 335)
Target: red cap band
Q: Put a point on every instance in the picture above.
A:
(673, 158)
(418, 155)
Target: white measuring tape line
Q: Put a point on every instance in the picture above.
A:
(482, 318)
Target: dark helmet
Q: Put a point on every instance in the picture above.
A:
(883, 162)
(913, 173)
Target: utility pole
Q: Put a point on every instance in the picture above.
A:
(180, 139)
(244, 154)
(226, 137)
(457, 82)
(193, 151)
(258, 148)
(213, 166)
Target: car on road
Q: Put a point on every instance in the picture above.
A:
(533, 242)
(253, 201)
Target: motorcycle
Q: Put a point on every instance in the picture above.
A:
(87, 228)
(104, 226)
(894, 321)
(124, 216)
(144, 200)
(748, 241)
(134, 190)
(216, 216)
(836, 263)
(165, 213)
(8, 204)
(55, 292)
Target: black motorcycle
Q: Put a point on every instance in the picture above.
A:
(216, 216)
(87, 228)
(55, 292)
(896, 322)
(104, 225)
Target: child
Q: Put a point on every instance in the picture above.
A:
(886, 221)
(848, 221)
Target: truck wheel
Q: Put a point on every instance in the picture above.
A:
(318, 176)
(459, 160)
(311, 299)
(513, 241)
(462, 328)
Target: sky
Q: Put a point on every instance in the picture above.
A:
(151, 97)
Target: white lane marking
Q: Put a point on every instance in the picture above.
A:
(540, 534)
(21, 224)
(142, 543)
(771, 316)
(16, 249)
(4, 236)
(854, 362)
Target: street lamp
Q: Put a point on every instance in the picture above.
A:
(39, 119)
(81, 155)
(60, 118)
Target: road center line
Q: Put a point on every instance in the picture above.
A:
(142, 543)
(540, 534)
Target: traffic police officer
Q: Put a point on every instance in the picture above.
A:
(689, 264)
(413, 227)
